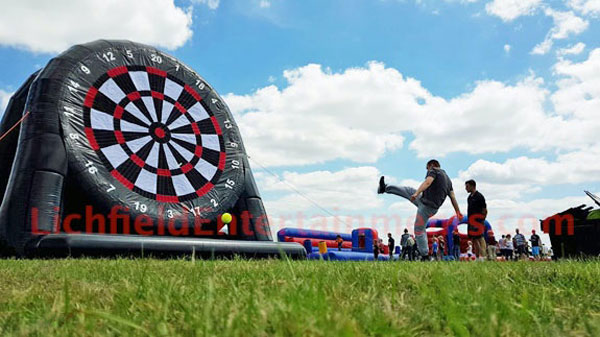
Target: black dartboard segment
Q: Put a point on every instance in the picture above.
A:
(147, 133)
(163, 144)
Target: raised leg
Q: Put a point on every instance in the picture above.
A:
(403, 191)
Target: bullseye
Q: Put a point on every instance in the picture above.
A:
(160, 133)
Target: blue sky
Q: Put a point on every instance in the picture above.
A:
(331, 94)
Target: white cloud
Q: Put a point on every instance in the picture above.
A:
(322, 116)
(507, 48)
(264, 4)
(578, 94)
(4, 98)
(568, 168)
(53, 26)
(361, 114)
(565, 24)
(493, 117)
(509, 10)
(573, 50)
(211, 4)
(352, 189)
(586, 7)
(543, 47)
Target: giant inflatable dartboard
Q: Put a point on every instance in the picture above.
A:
(119, 124)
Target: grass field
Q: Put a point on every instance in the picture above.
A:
(272, 297)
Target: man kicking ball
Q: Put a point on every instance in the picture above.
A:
(434, 190)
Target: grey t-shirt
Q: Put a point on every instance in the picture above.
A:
(441, 186)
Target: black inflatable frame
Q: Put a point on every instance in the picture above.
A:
(62, 159)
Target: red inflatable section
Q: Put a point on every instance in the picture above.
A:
(315, 242)
(436, 231)
(386, 248)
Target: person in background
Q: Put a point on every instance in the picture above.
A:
(434, 248)
(391, 246)
(410, 242)
(456, 244)
(476, 214)
(535, 245)
(339, 241)
(375, 250)
(404, 244)
(415, 249)
(502, 245)
(491, 246)
(520, 245)
(544, 250)
(470, 249)
(441, 248)
(381, 246)
(509, 247)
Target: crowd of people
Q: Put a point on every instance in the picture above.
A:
(507, 248)
(481, 244)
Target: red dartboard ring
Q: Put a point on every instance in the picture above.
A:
(143, 129)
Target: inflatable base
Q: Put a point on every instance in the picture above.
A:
(59, 245)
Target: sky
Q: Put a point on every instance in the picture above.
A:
(330, 95)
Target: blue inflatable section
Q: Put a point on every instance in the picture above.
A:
(334, 255)
(362, 240)
(310, 234)
(316, 250)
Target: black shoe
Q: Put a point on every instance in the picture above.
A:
(425, 258)
(382, 186)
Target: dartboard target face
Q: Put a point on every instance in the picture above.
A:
(154, 134)
(146, 132)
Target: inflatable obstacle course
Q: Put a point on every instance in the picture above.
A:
(117, 147)
(357, 246)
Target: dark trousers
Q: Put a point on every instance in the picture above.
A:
(456, 251)
(407, 251)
